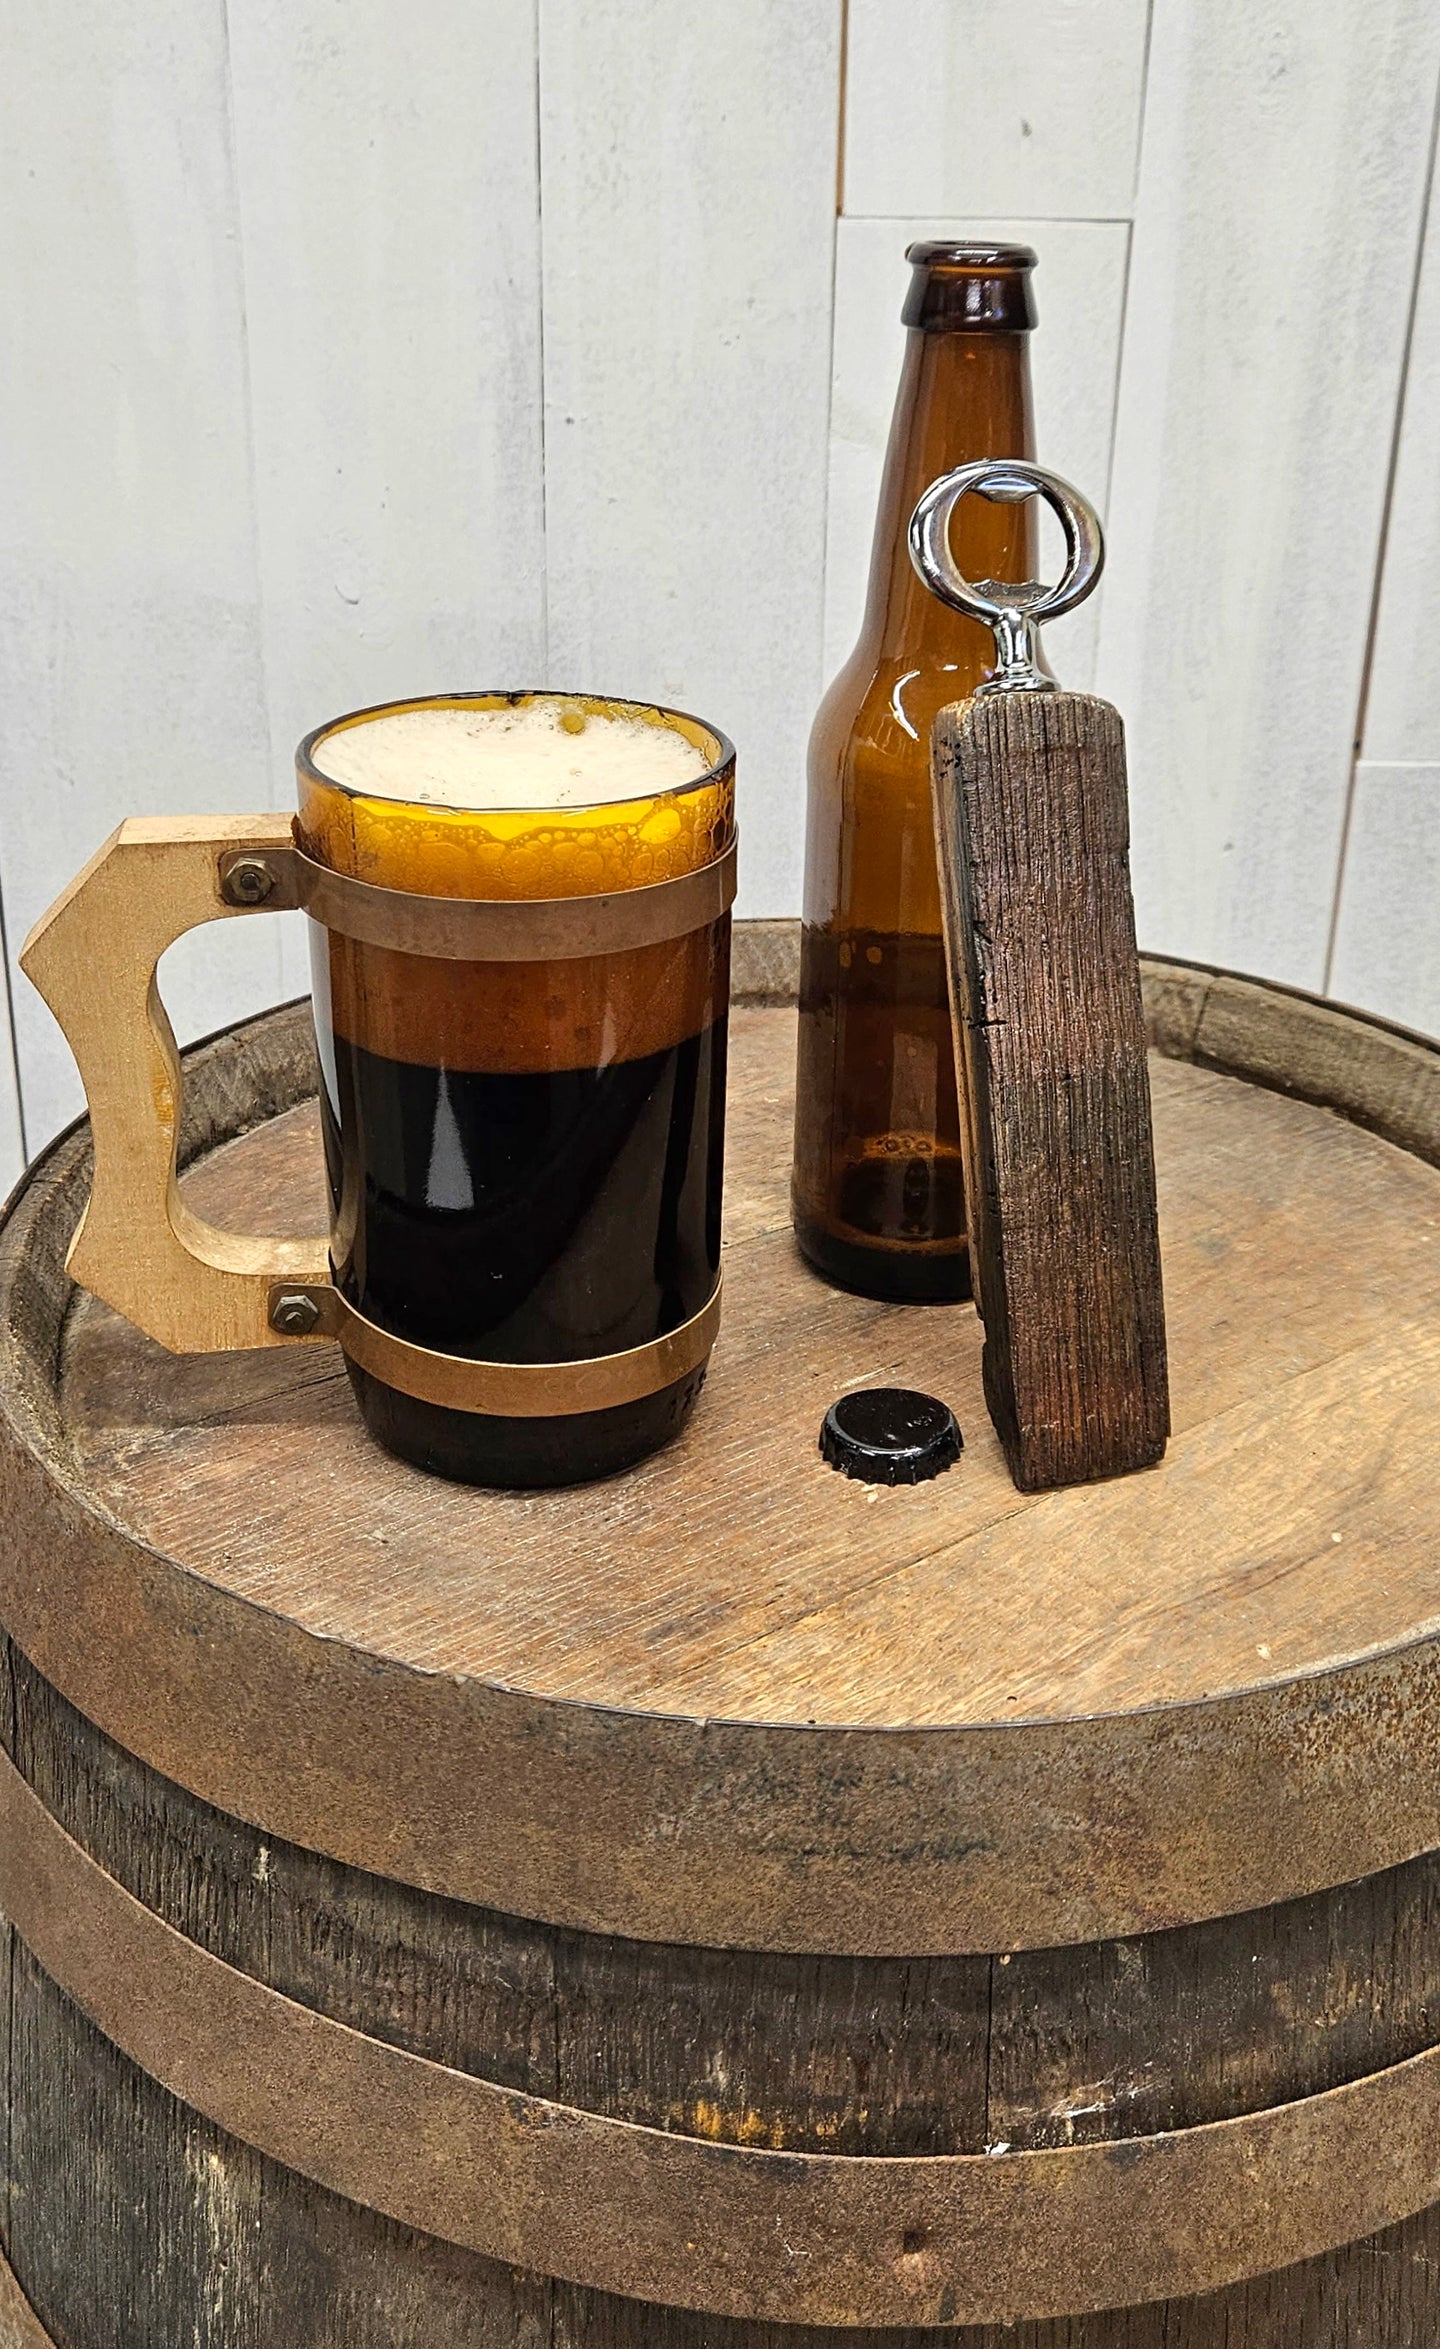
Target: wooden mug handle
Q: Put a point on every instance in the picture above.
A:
(93, 957)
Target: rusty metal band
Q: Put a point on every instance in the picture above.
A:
(820, 2239)
(20, 2327)
(462, 929)
(520, 1390)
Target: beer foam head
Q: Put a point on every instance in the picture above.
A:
(544, 751)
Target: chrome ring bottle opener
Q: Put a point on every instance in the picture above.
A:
(1012, 608)
(1032, 827)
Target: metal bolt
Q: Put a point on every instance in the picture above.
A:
(294, 1314)
(248, 881)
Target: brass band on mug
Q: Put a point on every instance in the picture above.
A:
(521, 1020)
(458, 1382)
(457, 929)
(486, 932)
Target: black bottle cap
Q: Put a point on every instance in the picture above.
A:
(890, 1435)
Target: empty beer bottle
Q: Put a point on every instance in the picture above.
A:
(879, 1201)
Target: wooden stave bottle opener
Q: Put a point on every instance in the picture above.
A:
(1032, 836)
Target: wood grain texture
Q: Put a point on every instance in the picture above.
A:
(956, 117)
(93, 955)
(272, 431)
(187, 2234)
(10, 2317)
(1174, 1731)
(1387, 945)
(389, 209)
(1033, 819)
(273, 437)
(688, 160)
(589, 1596)
(765, 963)
(1075, 358)
(20, 2328)
(1282, 181)
(131, 676)
(1374, 1073)
(1402, 718)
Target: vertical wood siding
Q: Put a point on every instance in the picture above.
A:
(131, 671)
(963, 107)
(1387, 930)
(1282, 180)
(352, 352)
(688, 181)
(390, 225)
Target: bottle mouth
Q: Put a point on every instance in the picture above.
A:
(960, 287)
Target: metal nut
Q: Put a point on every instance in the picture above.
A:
(248, 881)
(294, 1314)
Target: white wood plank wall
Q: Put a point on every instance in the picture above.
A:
(358, 352)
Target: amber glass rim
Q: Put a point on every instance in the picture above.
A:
(948, 253)
(708, 739)
(956, 287)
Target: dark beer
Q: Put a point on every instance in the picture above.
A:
(880, 1069)
(525, 1158)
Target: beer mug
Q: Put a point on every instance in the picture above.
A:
(520, 929)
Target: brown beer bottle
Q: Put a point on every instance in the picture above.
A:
(879, 1203)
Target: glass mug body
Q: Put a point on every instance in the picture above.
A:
(525, 1158)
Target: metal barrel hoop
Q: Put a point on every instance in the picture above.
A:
(617, 2206)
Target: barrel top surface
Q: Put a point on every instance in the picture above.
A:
(736, 1575)
(733, 1699)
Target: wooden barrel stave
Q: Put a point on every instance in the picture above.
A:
(191, 2235)
(186, 2233)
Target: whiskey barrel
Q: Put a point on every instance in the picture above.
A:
(733, 1908)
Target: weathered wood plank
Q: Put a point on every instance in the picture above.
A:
(962, 115)
(133, 2220)
(689, 164)
(129, 586)
(1033, 819)
(1262, 1200)
(188, 2236)
(1167, 2031)
(1285, 1648)
(1387, 940)
(75, 2174)
(1402, 719)
(7, 1986)
(1258, 394)
(390, 210)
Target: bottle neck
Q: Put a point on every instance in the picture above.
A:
(963, 395)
